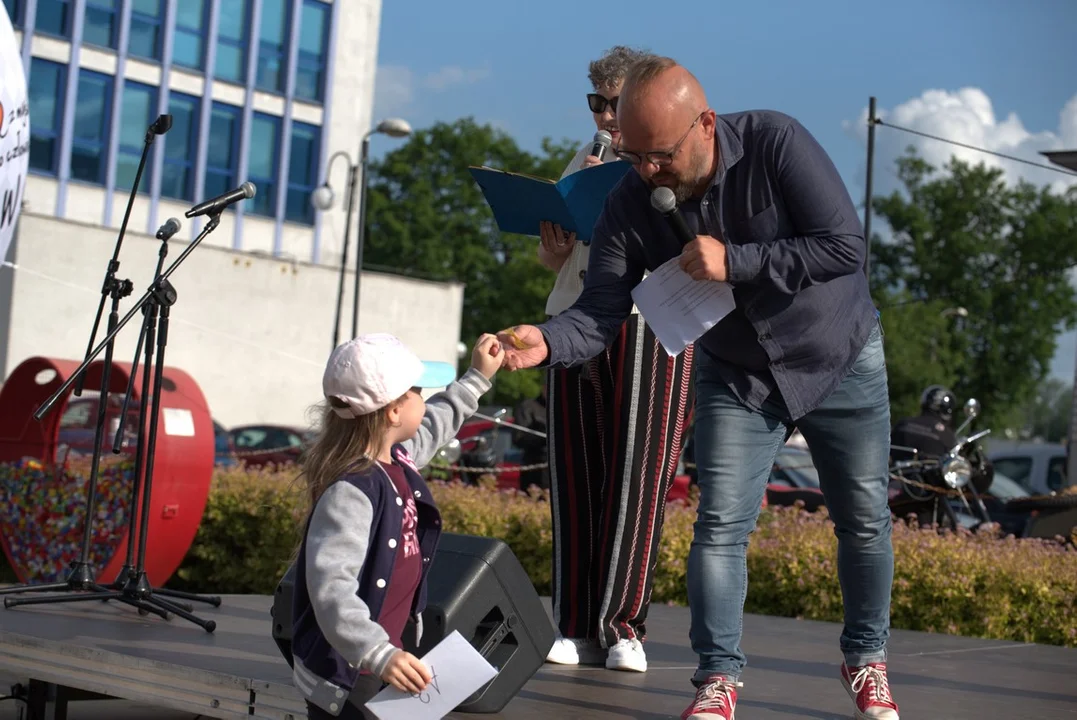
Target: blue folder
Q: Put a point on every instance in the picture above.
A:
(520, 202)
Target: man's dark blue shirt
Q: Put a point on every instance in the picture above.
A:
(795, 255)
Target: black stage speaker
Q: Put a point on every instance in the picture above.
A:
(477, 587)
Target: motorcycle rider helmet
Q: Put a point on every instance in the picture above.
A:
(938, 400)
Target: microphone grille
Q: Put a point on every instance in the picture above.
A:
(603, 138)
(248, 189)
(663, 200)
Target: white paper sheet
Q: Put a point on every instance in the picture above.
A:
(679, 309)
(457, 669)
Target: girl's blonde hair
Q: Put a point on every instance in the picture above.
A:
(342, 445)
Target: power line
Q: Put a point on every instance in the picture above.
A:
(879, 121)
(978, 149)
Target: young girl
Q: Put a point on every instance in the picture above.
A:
(373, 526)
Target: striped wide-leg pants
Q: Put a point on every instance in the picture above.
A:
(616, 427)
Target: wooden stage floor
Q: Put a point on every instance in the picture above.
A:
(792, 671)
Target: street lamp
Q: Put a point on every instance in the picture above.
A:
(322, 199)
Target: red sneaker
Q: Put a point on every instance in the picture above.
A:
(870, 690)
(715, 699)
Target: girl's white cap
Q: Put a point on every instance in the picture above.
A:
(373, 370)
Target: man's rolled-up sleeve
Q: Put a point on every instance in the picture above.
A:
(585, 329)
(828, 240)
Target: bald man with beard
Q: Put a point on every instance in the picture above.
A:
(802, 349)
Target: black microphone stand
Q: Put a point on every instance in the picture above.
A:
(132, 578)
(160, 126)
(137, 590)
(82, 576)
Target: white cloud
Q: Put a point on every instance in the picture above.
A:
(395, 86)
(967, 116)
(393, 90)
(451, 75)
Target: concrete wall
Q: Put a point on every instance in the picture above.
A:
(253, 331)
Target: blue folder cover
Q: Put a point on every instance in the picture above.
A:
(520, 202)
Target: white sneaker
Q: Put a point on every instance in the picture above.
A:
(627, 655)
(574, 651)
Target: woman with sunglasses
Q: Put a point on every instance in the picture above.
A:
(615, 432)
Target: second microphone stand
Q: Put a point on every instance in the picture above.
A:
(132, 577)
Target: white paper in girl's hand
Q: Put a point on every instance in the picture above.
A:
(458, 670)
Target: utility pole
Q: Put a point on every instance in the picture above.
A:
(868, 185)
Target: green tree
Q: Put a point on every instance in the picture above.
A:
(1003, 252)
(428, 218)
(1046, 413)
(918, 349)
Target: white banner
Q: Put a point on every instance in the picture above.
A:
(14, 132)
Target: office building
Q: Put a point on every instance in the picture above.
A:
(258, 90)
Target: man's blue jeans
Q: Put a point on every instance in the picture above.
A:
(849, 439)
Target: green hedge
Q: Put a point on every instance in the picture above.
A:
(966, 584)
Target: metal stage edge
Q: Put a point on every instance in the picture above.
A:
(112, 651)
(106, 651)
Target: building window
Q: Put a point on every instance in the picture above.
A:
(177, 174)
(222, 159)
(47, 81)
(263, 162)
(101, 24)
(139, 103)
(188, 41)
(232, 33)
(144, 40)
(272, 46)
(14, 7)
(302, 172)
(313, 39)
(53, 17)
(92, 117)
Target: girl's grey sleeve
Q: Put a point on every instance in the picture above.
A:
(336, 550)
(445, 413)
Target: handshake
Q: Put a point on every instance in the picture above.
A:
(516, 348)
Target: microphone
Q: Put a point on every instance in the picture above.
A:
(602, 142)
(664, 201)
(170, 228)
(161, 125)
(210, 207)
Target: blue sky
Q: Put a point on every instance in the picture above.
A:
(522, 66)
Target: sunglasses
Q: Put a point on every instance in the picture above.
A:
(598, 103)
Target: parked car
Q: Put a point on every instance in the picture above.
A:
(78, 423)
(1039, 467)
(489, 444)
(486, 443)
(224, 449)
(262, 445)
(794, 477)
